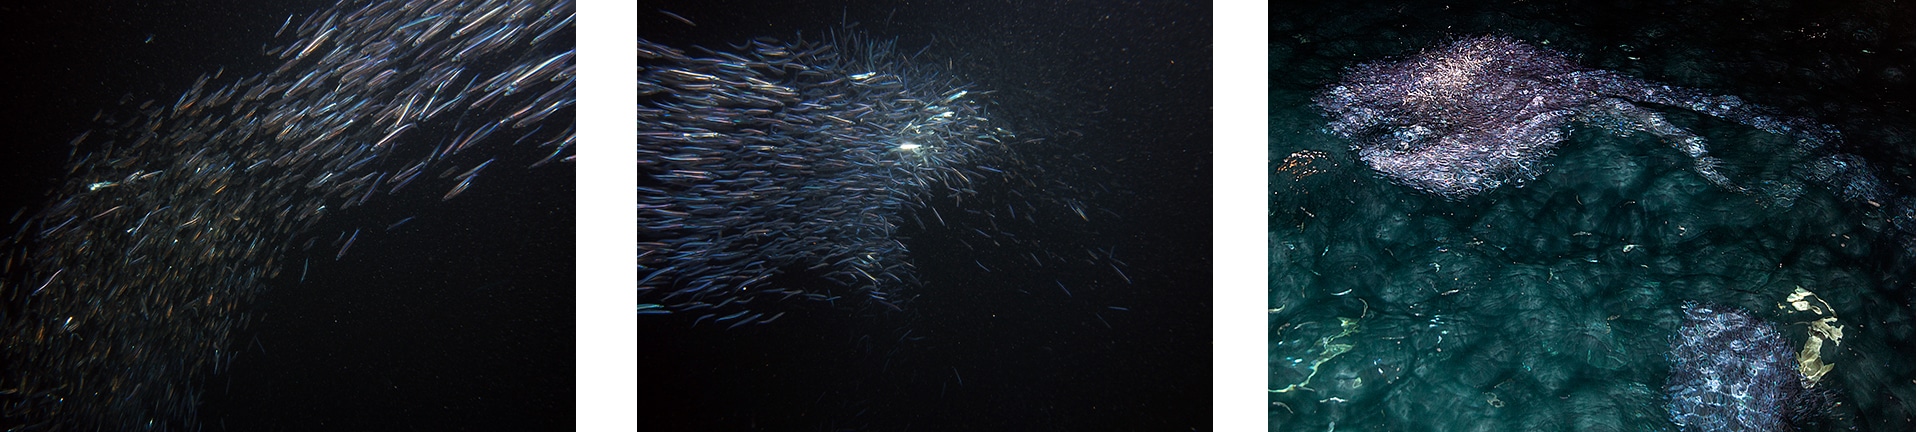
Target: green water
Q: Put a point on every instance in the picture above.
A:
(1550, 307)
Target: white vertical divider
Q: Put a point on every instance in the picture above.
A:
(607, 333)
(1240, 89)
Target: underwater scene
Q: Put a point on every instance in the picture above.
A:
(924, 216)
(312, 215)
(1605, 216)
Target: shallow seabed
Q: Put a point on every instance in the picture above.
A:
(1551, 306)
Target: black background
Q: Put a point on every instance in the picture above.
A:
(1121, 93)
(461, 319)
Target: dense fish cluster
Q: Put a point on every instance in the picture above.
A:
(1731, 371)
(125, 292)
(799, 156)
(1481, 112)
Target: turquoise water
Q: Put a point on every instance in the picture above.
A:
(1551, 306)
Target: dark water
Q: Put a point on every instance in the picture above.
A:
(989, 340)
(1551, 306)
(459, 319)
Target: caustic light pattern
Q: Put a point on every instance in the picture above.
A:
(1731, 371)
